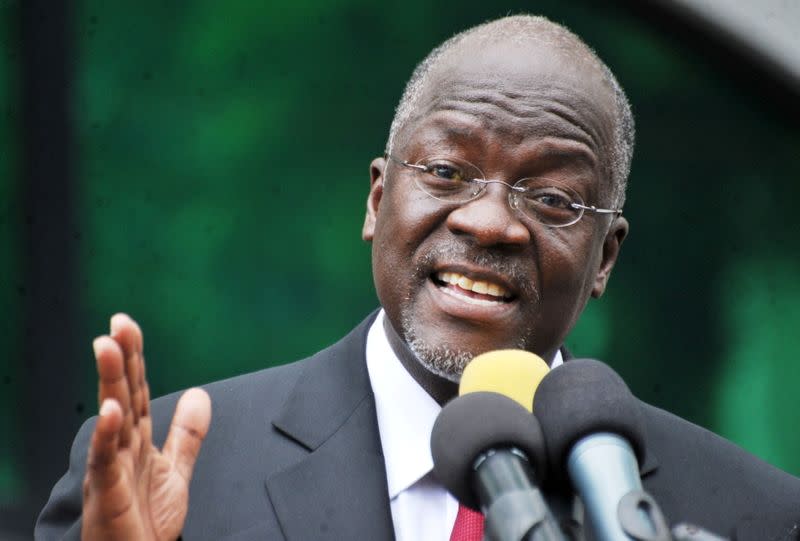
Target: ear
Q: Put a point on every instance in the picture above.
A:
(376, 174)
(611, 245)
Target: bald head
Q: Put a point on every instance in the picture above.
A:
(530, 55)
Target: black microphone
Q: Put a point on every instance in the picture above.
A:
(593, 428)
(486, 448)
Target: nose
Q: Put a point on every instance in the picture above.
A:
(489, 219)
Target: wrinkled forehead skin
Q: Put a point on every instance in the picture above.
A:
(526, 91)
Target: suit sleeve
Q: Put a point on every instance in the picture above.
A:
(61, 516)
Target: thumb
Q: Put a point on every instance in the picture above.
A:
(189, 428)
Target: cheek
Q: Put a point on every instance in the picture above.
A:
(405, 219)
(565, 281)
(567, 264)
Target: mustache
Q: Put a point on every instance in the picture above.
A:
(516, 269)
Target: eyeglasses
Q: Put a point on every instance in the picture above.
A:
(457, 181)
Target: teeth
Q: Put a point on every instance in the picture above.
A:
(470, 300)
(480, 286)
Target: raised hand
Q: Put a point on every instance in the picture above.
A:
(133, 491)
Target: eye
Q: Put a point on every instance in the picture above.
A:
(446, 170)
(550, 197)
(549, 204)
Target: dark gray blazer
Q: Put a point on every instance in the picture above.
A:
(294, 453)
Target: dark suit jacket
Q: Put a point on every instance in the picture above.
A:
(294, 453)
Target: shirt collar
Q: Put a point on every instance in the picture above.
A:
(406, 413)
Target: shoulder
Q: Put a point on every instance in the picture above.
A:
(673, 437)
(254, 399)
(268, 385)
(704, 479)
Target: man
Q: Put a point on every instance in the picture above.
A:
(494, 216)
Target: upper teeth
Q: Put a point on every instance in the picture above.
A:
(478, 286)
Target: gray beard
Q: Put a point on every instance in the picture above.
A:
(442, 359)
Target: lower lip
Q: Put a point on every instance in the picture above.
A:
(463, 307)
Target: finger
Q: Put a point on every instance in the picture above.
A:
(145, 436)
(146, 401)
(189, 428)
(102, 469)
(145, 423)
(144, 405)
(129, 336)
(112, 381)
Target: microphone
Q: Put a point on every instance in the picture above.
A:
(594, 430)
(486, 446)
(510, 372)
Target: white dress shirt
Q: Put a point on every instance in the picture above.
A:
(422, 510)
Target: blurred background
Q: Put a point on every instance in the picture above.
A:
(203, 166)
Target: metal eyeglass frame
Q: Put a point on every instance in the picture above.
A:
(513, 187)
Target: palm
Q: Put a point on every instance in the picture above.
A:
(132, 490)
(158, 497)
(164, 497)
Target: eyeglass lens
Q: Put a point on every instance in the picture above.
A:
(458, 181)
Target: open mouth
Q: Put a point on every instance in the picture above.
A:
(478, 292)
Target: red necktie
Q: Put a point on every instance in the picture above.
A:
(468, 526)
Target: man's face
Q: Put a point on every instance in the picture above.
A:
(514, 112)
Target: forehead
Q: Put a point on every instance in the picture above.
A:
(516, 98)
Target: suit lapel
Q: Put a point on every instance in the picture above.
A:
(339, 490)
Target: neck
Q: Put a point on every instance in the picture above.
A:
(441, 389)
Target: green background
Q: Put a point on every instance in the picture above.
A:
(222, 168)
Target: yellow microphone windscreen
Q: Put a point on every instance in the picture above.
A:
(511, 372)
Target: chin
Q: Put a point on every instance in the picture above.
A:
(446, 358)
(443, 361)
